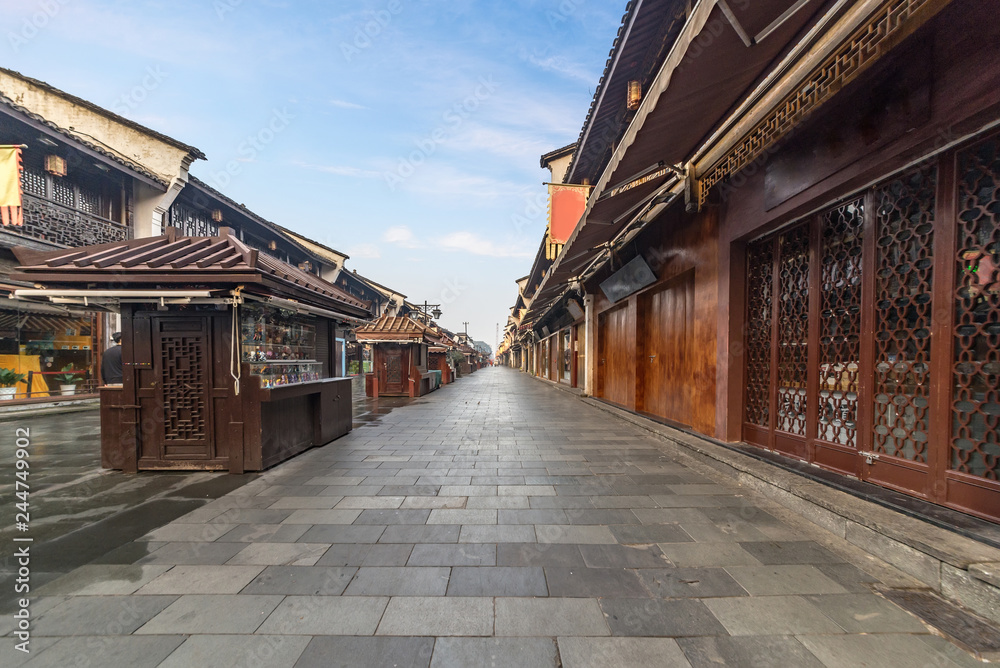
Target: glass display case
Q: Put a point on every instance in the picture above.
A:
(280, 347)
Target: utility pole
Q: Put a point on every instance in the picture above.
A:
(466, 329)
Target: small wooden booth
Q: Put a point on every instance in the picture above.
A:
(227, 352)
(400, 357)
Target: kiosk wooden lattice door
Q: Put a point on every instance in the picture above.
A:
(178, 423)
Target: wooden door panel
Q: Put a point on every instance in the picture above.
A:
(616, 366)
(667, 342)
(182, 373)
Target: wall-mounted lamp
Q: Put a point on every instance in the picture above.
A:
(55, 165)
(634, 95)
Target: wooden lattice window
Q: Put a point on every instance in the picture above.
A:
(760, 260)
(904, 221)
(975, 408)
(840, 322)
(793, 329)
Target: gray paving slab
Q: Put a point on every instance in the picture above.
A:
(399, 581)
(747, 651)
(204, 613)
(428, 554)
(437, 616)
(867, 613)
(849, 651)
(670, 618)
(497, 581)
(549, 617)
(110, 651)
(232, 651)
(621, 653)
(325, 615)
(784, 580)
(100, 615)
(301, 580)
(202, 580)
(495, 653)
(280, 554)
(366, 652)
(102, 580)
(268, 533)
(338, 533)
(770, 615)
(623, 556)
(193, 553)
(690, 582)
(594, 583)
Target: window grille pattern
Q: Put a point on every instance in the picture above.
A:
(904, 221)
(62, 193)
(975, 438)
(33, 181)
(65, 226)
(760, 260)
(184, 382)
(191, 222)
(840, 323)
(793, 329)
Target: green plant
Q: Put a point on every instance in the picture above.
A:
(69, 375)
(10, 378)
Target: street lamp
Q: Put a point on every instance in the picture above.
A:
(428, 313)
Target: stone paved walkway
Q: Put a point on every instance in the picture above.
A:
(496, 522)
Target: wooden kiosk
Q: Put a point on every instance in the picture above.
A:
(399, 357)
(227, 352)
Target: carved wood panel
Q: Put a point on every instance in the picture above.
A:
(793, 329)
(757, 403)
(840, 323)
(975, 406)
(183, 362)
(904, 272)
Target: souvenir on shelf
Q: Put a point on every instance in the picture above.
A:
(279, 346)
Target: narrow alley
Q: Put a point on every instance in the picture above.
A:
(498, 521)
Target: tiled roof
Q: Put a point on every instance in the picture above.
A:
(207, 260)
(395, 328)
(121, 120)
(69, 134)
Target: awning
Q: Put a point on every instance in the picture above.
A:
(706, 74)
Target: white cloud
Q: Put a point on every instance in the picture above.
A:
(344, 104)
(340, 170)
(401, 235)
(564, 67)
(364, 252)
(470, 242)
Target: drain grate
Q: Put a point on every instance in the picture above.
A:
(963, 627)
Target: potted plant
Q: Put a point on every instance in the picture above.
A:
(8, 383)
(67, 379)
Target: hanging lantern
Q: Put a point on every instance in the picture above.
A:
(55, 165)
(273, 245)
(634, 95)
(217, 215)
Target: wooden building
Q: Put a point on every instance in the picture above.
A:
(400, 357)
(793, 238)
(227, 352)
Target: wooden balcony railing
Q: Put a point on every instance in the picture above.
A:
(47, 221)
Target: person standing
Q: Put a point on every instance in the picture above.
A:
(111, 363)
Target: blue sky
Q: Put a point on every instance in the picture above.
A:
(408, 133)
